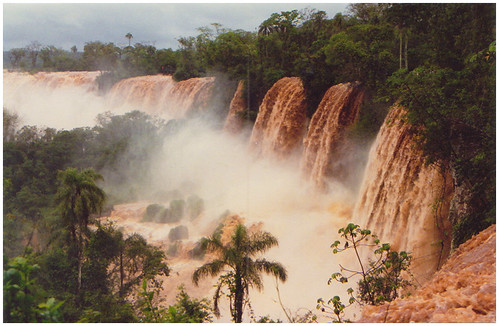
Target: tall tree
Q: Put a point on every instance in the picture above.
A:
(16, 55)
(129, 36)
(243, 272)
(79, 197)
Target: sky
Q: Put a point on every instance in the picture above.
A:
(160, 24)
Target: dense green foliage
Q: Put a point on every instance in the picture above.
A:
(185, 310)
(52, 196)
(379, 280)
(244, 272)
(22, 297)
(449, 91)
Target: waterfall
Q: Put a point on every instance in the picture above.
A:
(234, 121)
(281, 120)
(326, 148)
(161, 95)
(404, 201)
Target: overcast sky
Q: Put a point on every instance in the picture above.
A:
(161, 24)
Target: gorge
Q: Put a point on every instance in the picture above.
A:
(292, 175)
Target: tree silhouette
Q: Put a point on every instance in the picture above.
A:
(235, 258)
(79, 197)
(129, 36)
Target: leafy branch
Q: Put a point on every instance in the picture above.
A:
(380, 279)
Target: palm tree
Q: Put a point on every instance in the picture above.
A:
(129, 36)
(79, 197)
(235, 258)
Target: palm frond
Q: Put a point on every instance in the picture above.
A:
(272, 268)
(240, 237)
(212, 244)
(216, 297)
(253, 277)
(211, 268)
(261, 242)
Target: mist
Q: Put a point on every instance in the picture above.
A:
(220, 169)
(197, 158)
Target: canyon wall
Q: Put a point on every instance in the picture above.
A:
(327, 150)
(463, 291)
(281, 121)
(404, 201)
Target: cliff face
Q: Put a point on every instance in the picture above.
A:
(463, 291)
(403, 201)
(281, 120)
(326, 148)
(234, 121)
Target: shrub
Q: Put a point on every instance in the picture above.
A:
(380, 280)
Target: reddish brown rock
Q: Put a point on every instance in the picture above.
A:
(463, 291)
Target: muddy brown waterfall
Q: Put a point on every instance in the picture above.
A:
(326, 150)
(160, 94)
(404, 201)
(238, 106)
(281, 120)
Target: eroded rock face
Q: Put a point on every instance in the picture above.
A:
(404, 201)
(463, 291)
(281, 121)
(234, 121)
(326, 148)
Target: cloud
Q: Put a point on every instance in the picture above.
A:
(65, 25)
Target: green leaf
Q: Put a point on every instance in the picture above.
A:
(335, 244)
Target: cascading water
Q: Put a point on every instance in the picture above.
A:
(161, 95)
(404, 201)
(72, 97)
(219, 168)
(58, 99)
(150, 92)
(191, 95)
(83, 79)
(326, 148)
(234, 122)
(281, 120)
(401, 200)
